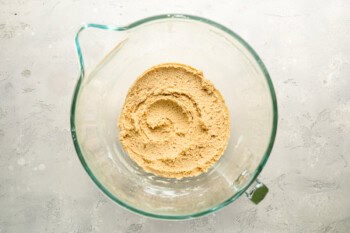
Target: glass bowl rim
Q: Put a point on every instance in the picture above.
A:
(134, 25)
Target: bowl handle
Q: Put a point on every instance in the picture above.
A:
(256, 191)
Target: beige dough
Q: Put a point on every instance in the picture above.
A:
(174, 123)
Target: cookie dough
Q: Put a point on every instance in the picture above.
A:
(174, 122)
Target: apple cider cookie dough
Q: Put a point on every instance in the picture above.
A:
(174, 122)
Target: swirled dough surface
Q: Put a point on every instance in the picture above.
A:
(174, 122)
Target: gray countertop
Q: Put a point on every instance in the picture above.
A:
(306, 48)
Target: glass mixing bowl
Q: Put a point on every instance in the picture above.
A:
(111, 58)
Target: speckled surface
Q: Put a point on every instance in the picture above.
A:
(304, 44)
